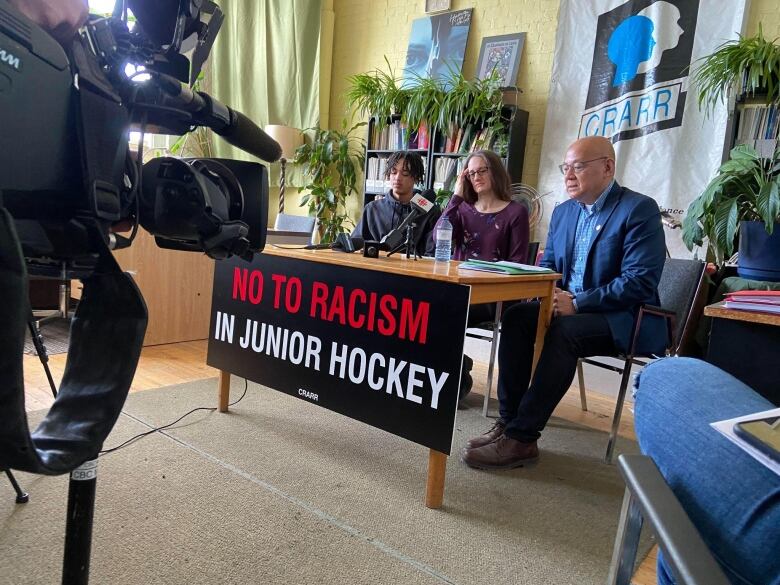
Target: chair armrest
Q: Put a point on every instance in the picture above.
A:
(653, 310)
(668, 316)
(691, 561)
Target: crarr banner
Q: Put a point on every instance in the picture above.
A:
(622, 70)
(377, 347)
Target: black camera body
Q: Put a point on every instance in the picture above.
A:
(69, 187)
(66, 174)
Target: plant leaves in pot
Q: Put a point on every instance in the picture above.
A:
(746, 188)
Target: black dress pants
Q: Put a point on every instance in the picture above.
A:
(526, 405)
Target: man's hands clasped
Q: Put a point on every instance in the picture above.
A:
(563, 303)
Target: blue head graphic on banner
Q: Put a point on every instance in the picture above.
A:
(630, 44)
(638, 81)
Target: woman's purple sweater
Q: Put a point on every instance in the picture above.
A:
(488, 236)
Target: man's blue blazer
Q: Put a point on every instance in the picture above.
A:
(623, 265)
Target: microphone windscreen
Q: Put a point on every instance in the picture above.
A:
(249, 137)
(421, 203)
(430, 195)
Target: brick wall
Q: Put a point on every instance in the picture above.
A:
(368, 30)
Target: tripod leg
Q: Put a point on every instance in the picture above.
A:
(40, 349)
(78, 528)
(21, 497)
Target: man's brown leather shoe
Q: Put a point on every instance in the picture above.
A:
(503, 453)
(487, 437)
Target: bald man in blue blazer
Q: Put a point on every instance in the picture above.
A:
(608, 244)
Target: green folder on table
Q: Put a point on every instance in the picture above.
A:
(502, 267)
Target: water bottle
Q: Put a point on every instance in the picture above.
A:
(443, 241)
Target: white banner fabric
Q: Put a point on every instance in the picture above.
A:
(621, 70)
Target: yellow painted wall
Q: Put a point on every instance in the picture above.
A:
(367, 30)
(767, 12)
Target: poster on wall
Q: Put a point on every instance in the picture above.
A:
(622, 70)
(501, 55)
(437, 45)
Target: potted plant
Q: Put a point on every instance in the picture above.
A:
(432, 102)
(330, 161)
(743, 199)
(742, 202)
(749, 65)
(379, 94)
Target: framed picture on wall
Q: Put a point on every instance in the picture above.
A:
(437, 44)
(502, 54)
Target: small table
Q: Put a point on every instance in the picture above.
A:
(746, 345)
(485, 288)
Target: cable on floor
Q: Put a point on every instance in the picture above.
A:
(149, 432)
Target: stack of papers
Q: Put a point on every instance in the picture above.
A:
(759, 301)
(502, 267)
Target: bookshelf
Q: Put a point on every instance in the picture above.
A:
(449, 150)
(755, 123)
(380, 144)
(443, 153)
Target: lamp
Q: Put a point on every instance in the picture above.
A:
(289, 139)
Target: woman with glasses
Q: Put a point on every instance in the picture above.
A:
(486, 223)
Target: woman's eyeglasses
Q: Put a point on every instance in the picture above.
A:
(480, 172)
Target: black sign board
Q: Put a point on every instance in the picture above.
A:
(377, 347)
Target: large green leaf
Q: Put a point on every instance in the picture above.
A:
(725, 226)
(768, 203)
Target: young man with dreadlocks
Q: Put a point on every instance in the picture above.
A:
(404, 170)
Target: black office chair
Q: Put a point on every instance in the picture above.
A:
(649, 498)
(490, 331)
(678, 289)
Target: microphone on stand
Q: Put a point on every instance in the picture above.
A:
(421, 206)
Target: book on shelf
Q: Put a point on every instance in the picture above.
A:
(759, 127)
(446, 171)
(398, 136)
(376, 167)
(423, 137)
(502, 267)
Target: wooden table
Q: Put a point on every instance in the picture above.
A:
(746, 345)
(485, 288)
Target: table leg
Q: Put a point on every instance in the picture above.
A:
(434, 489)
(224, 390)
(545, 316)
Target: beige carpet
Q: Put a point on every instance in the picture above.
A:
(281, 491)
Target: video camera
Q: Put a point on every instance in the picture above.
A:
(67, 176)
(69, 185)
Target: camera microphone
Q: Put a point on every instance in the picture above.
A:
(242, 133)
(232, 125)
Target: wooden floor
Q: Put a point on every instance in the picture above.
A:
(165, 365)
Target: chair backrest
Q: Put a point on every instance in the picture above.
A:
(678, 288)
(295, 223)
(533, 251)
